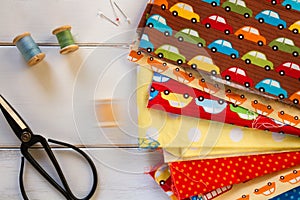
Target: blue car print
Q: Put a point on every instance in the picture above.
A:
(211, 106)
(146, 44)
(272, 87)
(153, 93)
(160, 24)
(224, 47)
(292, 4)
(272, 18)
(214, 3)
(157, 77)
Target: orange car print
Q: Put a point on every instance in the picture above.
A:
(266, 190)
(288, 119)
(252, 34)
(162, 3)
(157, 66)
(261, 108)
(292, 178)
(234, 98)
(182, 76)
(135, 56)
(244, 197)
(295, 97)
(207, 87)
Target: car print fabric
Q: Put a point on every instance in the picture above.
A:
(250, 46)
(171, 96)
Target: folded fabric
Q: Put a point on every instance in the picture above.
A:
(171, 96)
(281, 185)
(159, 129)
(199, 177)
(242, 48)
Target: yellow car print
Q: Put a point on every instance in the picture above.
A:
(176, 100)
(185, 11)
(204, 63)
(295, 27)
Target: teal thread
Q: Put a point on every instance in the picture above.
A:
(28, 47)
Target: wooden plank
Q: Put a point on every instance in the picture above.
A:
(121, 174)
(57, 97)
(41, 17)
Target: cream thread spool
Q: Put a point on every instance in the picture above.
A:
(65, 39)
(29, 49)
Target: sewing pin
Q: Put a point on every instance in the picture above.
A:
(122, 12)
(108, 19)
(114, 11)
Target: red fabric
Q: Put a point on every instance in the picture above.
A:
(226, 116)
(201, 176)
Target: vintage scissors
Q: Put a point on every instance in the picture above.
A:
(29, 139)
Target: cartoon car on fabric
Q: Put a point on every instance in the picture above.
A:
(285, 45)
(295, 97)
(237, 75)
(272, 87)
(135, 56)
(204, 63)
(290, 69)
(244, 197)
(243, 113)
(214, 3)
(146, 44)
(157, 65)
(272, 18)
(259, 59)
(191, 36)
(207, 87)
(252, 34)
(292, 4)
(157, 77)
(162, 174)
(295, 27)
(185, 11)
(182, 76)
(170, 52)
(261, 109)
(237, 6)
(153, 93)
(292, 178)
(266, 190)
(217, 22)
(288, 119)
(162, 3)
(176, 100)
(160, 24)
(211, 106)
(223, 47)
(274, 2)
(236, 99)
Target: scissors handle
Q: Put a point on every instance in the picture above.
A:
(65, 190)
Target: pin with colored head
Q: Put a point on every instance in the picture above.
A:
(100, 14)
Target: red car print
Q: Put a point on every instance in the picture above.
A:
(237, 75)
(290, 69)
(217, 22)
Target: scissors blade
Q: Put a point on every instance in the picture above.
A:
(13, 118)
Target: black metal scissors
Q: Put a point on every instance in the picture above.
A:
(29, 139)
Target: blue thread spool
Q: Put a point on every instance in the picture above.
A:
(29, 49)
(65, 39)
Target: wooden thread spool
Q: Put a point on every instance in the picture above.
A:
(65, 39)
(29, 49)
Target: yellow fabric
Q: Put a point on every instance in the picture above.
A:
(175, 131)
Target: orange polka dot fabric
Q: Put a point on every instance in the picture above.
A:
(201, 176)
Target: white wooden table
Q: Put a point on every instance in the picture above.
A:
(57, 98)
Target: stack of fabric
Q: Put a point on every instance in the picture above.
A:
(218, 91)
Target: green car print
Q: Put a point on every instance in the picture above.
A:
(170, 52)
(191, 36)
(243, 113)
(286, 45)
(237, 6)
(258, 59)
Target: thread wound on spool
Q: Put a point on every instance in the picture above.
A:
(29, 49)
(65, 39)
